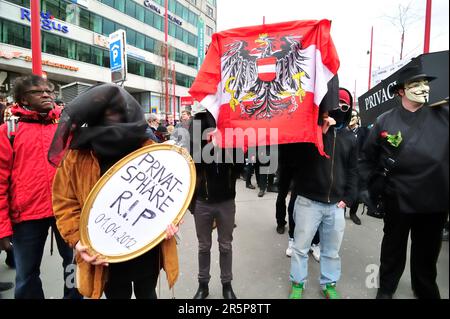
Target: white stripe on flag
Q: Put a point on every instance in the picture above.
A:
(269, 68)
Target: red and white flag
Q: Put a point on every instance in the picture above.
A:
(259, 78)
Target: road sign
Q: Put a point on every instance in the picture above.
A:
(118, 55)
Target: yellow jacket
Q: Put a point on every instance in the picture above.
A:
(78, 174)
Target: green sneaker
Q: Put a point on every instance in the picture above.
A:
(297, 291)
(330, 291)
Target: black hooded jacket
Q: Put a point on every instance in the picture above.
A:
(216, 172)
(328, 180)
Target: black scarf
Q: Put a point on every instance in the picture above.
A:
(83, 125)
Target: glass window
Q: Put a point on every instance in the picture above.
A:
(179, 34)
(172, 30)
(96, 23)
(149, 17)
(67, 48)
(97, 56)
(130, 8)
(51, 6)
(140, 40)
(131, 37)
(109, 2)
(83, 52)
(85, 19)
(16, 34)
(140, 13)
(172, 5)
(159, 23)
(210, 11)
(108, 27)
(209, 30)
(150, 71)
(149, 44)
(50, 44)
(120, 5)
(179, 9)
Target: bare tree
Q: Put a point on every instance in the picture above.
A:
(402, 20)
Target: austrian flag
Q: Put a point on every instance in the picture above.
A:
(260, 78)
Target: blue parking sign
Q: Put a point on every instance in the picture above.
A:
(115, 55)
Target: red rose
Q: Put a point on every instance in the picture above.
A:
(384, 134)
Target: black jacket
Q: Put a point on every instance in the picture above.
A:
(216, 173)
(419, 180)
(328, 180)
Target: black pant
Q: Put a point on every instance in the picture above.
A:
(284, 182)
(139, 274)
(426, 238)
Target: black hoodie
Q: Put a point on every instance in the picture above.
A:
(328, 180)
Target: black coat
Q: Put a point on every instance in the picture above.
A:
(419, 180)
(328, 180)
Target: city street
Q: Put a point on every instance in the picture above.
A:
(260, 266)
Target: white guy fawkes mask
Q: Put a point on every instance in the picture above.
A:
(418, 91)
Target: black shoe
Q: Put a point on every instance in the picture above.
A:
(227, 291)
(6, 286)
(281, 229)
(355, 219)
(250, 186)
(202, 291)
(383, 295)
(261, 193)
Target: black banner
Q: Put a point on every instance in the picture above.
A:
(378, 100)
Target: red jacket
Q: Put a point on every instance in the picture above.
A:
(26, 176)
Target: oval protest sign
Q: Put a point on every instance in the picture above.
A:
(128, 210)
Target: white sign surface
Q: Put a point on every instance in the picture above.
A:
(131, 206)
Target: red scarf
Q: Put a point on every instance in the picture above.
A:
(50, 117)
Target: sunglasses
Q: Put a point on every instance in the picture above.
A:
(40, 92)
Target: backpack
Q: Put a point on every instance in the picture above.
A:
(12, 125)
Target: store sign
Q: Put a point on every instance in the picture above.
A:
(201, 42)
(47, 21)
(187, 100)
(27, 58)
(101, 41)
(149, 4)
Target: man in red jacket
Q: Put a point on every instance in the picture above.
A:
(26, 178)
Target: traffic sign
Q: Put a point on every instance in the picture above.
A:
(118, 55)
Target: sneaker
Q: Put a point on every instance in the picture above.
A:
(297, 291)
(330, 291)
(315, 252)
(289, 249)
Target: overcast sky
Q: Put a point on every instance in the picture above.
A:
(351, 25)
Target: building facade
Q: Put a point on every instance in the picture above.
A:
(75, 44)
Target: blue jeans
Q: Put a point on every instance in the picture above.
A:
(309, 216)
(29, 240)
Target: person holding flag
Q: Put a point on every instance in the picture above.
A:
(325, 187)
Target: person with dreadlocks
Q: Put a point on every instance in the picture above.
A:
(96, 130)
(25, 185)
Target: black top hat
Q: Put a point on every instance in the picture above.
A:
(410, 74)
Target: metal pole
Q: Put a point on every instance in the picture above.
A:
(166, 71)
(370, 63)
(426, 43)
(36, 53)
(174, 96)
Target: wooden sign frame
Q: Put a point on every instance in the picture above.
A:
(86, 211)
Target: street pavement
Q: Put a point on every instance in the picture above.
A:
(260, 266)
